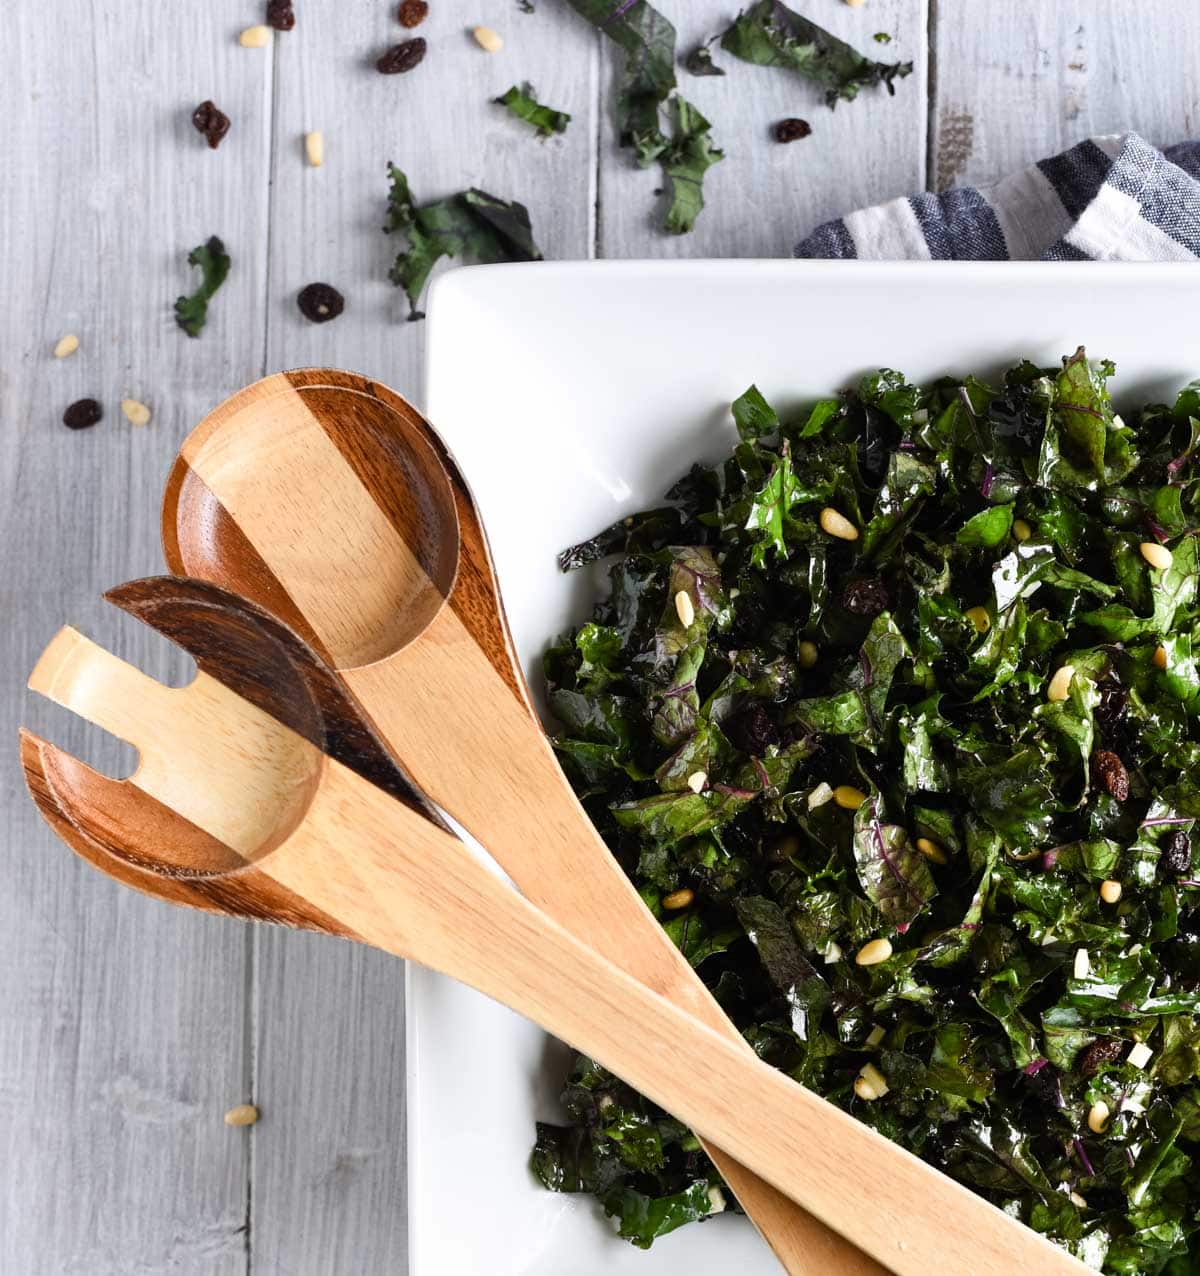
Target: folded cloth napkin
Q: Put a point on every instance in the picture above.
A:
(1108, 199)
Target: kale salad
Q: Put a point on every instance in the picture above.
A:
(892, 719)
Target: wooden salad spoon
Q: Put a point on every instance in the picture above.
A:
(330, 501)
(240, 804)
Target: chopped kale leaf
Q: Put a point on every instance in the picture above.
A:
(191, 313)
(891, 751)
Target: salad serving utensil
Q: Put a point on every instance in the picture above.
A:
(330, 501)
(256, 794)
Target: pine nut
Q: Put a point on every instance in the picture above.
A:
(979, 618)
(1021, 530)
(1097, 1117)
(1158, 556)
(65, 346)
(1140, 1054)
(856, 4)
(243, 1114)
(135, 413)
(488, 40)
(255, 37)
(848, 797)
(931, 850)
(870, 1084)
(835, 524)
(1160, 657)
(1083, 963)
(874, 1037)
(696, 781)
(716, 1200)
(678, 899)
(314, 148)
(1077, 1200)
(1060, 685)
(684, 608)
(873, 952)
(806, 654)
(1110, 891)
(819, 796)
(832, 953)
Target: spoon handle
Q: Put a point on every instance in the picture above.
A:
(403, 885)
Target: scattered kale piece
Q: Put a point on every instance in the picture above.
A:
(191, 313)
(771, 34)
(526, 6)
(882, 37)
(522, 102)
(652, 118)
(699, 61)
(470, 223)
(1000, 534)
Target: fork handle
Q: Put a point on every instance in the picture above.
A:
(401, 884)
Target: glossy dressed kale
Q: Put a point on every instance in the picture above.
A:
(1000, 538)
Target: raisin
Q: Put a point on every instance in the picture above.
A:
(412, 13)
(1110, 771)
(82, 413)
(1177, 854)
(320, 302)
(1046, 1086)
(792, 130)
(402, 57)
(1102, 1051)
(867, 596)
(210, 120)
(280, 15)
(752, 730)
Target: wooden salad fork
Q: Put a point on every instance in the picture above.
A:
(251, 797)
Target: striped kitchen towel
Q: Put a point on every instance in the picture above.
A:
(1108, 199)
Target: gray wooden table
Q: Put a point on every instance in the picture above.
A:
(128, 1028)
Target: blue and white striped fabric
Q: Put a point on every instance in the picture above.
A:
(1108, 199)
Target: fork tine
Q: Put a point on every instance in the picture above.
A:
(204, 752)
(255, 654)
(136, 840)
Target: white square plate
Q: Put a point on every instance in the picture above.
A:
(572, 394)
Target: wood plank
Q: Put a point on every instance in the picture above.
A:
(1034, 79)
(122, 1022)
(765, 196)
(329, 1020)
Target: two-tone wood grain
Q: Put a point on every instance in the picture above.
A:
(328, 498)
(340, 853)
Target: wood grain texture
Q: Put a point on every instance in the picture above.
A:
(390, 875)
(1031, 80)
(329, 1019)
(122, 1023)
(764, 196)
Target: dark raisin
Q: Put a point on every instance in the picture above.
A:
(867, 596)
(752, 730)
(1046, 1085)
(320, 302)
(1103, 1050)
(402, 57)
(1177, 854)
(280, 15)
(1110, 771)
(82, 413)
(792, 130)
(210, 120)
(412, 13)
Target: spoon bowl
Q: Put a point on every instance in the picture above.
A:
(328, 459)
